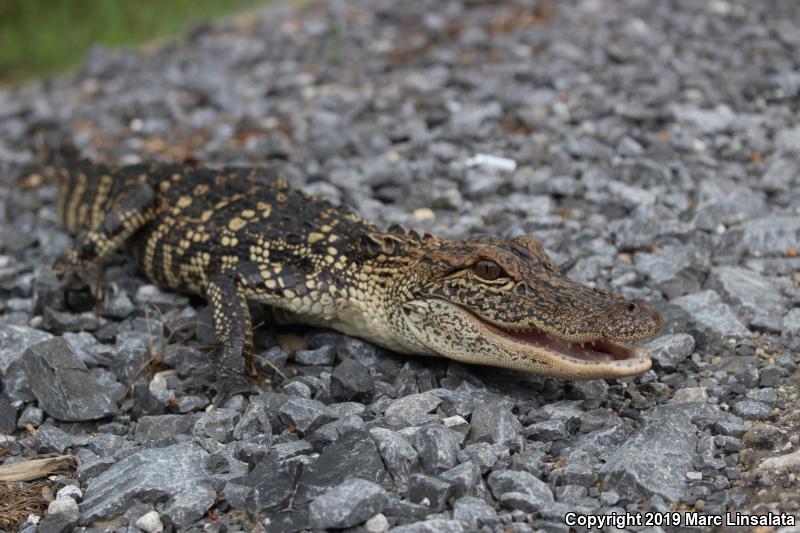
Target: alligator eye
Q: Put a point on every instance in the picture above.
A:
(487, 270)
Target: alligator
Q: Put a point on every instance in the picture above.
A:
(242, 235)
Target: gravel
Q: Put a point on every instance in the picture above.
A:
(63, 386)
(175, 473)
(349, 504)
(669, 351)
(631, 469)
(650, 147)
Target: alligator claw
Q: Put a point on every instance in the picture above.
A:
(229, 385)
(63, 268)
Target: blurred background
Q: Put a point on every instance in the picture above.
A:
(39, 37)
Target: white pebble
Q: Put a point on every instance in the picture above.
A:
(150, 522)
(377, 524)
(492, 161)
(63, 505)
(69, 491)
(159, 381)
(424, 213)
(453, 421)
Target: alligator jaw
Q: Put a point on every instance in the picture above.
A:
(616, 359)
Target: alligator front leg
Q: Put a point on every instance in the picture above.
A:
(233, 330)
(131, 211)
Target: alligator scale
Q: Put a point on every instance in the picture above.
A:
(239, 235)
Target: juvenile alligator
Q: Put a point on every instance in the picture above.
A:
(241, 235)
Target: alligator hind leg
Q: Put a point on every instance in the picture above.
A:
(233, 330)
(131, 210)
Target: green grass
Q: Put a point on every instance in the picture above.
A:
(40, 37)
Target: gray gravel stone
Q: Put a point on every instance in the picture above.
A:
(435, 525)
(724, 204)
(14, 341)
(675, 270)
(351, 381)
(705, 121)
(405, 512)
(483, 454)
(714, 319)
(175, 475)
(254, 423)
(788, 140)
(58, 322)
(770, 375)
(62, 515)
(550, 430)
(631, 471)
(53, 439)
(690, 394)
(575, 472)
(324, 355)
(496, 424)
(187, 507)
(779, 174)
(437, 448)
(755, 298)
(752, 410)
(411, 405)
(791, 328)
(430, 491)
(132, 354)
(8, 418)
(349, 504)
(463, 477)
(397, 453)
(765, 394)
(63, 385)
(366, 353)
(331, 431)
(306, 415)
(269, 486)
(470, 509)
(769, 235)
(217, 425)
(88, 349)
(733, 426)
(571, 494)
(593, 392)
(283, 452)
(353, 455)
(345, 409)
(670, 350)
(162, 427)
(520, 490)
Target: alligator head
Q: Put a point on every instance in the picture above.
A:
(503, 302)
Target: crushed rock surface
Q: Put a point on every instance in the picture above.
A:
(650, 146)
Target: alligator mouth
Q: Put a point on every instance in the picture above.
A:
(626, 358)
